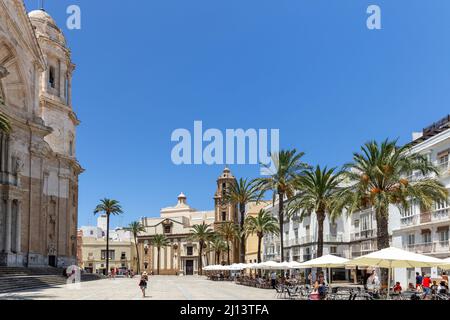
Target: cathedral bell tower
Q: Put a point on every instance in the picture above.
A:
(224, 211)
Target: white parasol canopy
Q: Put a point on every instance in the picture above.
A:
(445, 264)
(395, 258)
(327, 261)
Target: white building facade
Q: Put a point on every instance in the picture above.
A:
(356, 235)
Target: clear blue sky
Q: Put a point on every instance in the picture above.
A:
(310, 68)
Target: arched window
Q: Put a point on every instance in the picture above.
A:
(51, 77)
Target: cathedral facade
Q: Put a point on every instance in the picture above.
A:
(38, 167)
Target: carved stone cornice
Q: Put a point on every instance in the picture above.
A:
(41, 150)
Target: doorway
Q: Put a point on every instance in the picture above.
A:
(189, 267)
(52, 261)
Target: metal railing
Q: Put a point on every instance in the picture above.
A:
(429, 247)
(363, 234)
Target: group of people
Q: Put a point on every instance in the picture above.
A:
(428, 287)
(319, 287)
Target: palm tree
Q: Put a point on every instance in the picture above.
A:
(281, 181)
(379, 177)
(317, 191)
(108, 207)
(229, 231)
(262, 224)
(242, 193)
(135, 228)
(159, 241)
(201, 233)
(217, 245)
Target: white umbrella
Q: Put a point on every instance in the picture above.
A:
(328, 261)
(395, 258)
(271, 265)
(295, 265)
(445, 264)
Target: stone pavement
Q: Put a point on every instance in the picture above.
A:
(159, 288)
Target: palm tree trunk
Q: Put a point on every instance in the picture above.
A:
(281, 218)
(200, 262)
(228, 252)
(242, 249)
(107, 244)
(382, 229)
(383, 238)
(320, 220)
(259, 248)
(217, 257)
(158, 261)
(137, 255)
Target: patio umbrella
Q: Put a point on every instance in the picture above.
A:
(328, 261)
(295, 265)
(445, 264)
(273, 265)
(395, 258)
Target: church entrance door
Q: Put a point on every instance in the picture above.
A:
(189, 267)
(52, 261)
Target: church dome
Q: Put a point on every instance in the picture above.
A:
(45, 26)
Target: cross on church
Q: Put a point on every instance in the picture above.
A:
(41, 4)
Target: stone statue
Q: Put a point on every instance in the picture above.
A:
(3, 72)
(18, 165)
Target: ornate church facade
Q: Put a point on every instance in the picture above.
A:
(180, 256)
(38, 167)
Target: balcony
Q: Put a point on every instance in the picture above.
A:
(441, 214)
(363, 234)
(409, 221)
(422, 248)
(443, 167)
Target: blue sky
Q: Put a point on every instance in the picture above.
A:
(309, 68)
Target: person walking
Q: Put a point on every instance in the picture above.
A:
(143, 283)
(426, 284)
(273, 279)
(419, 279)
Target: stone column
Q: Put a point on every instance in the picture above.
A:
(18, 227)
(8, 226)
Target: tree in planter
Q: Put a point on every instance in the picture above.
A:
(136, 228)
(262, 224)
(230, 232)
(281, 181)
(203, 234)
(242, 193)
(159, 241)
(316, 193)
(108, 207)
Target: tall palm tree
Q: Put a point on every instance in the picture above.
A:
(242, 193)
(217, 245)
(317, 190)
(136, 228)
(262, 224)
(159, 241)
(229, 231)
(281, 181)
(108, 207)
(378, 177)
(201, 233)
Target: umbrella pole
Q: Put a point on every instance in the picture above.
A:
(329, 275)
(389, 283)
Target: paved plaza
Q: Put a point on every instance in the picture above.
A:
(159, 288)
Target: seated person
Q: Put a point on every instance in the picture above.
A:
(442, 288)
(397, 288)
(434, 287)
